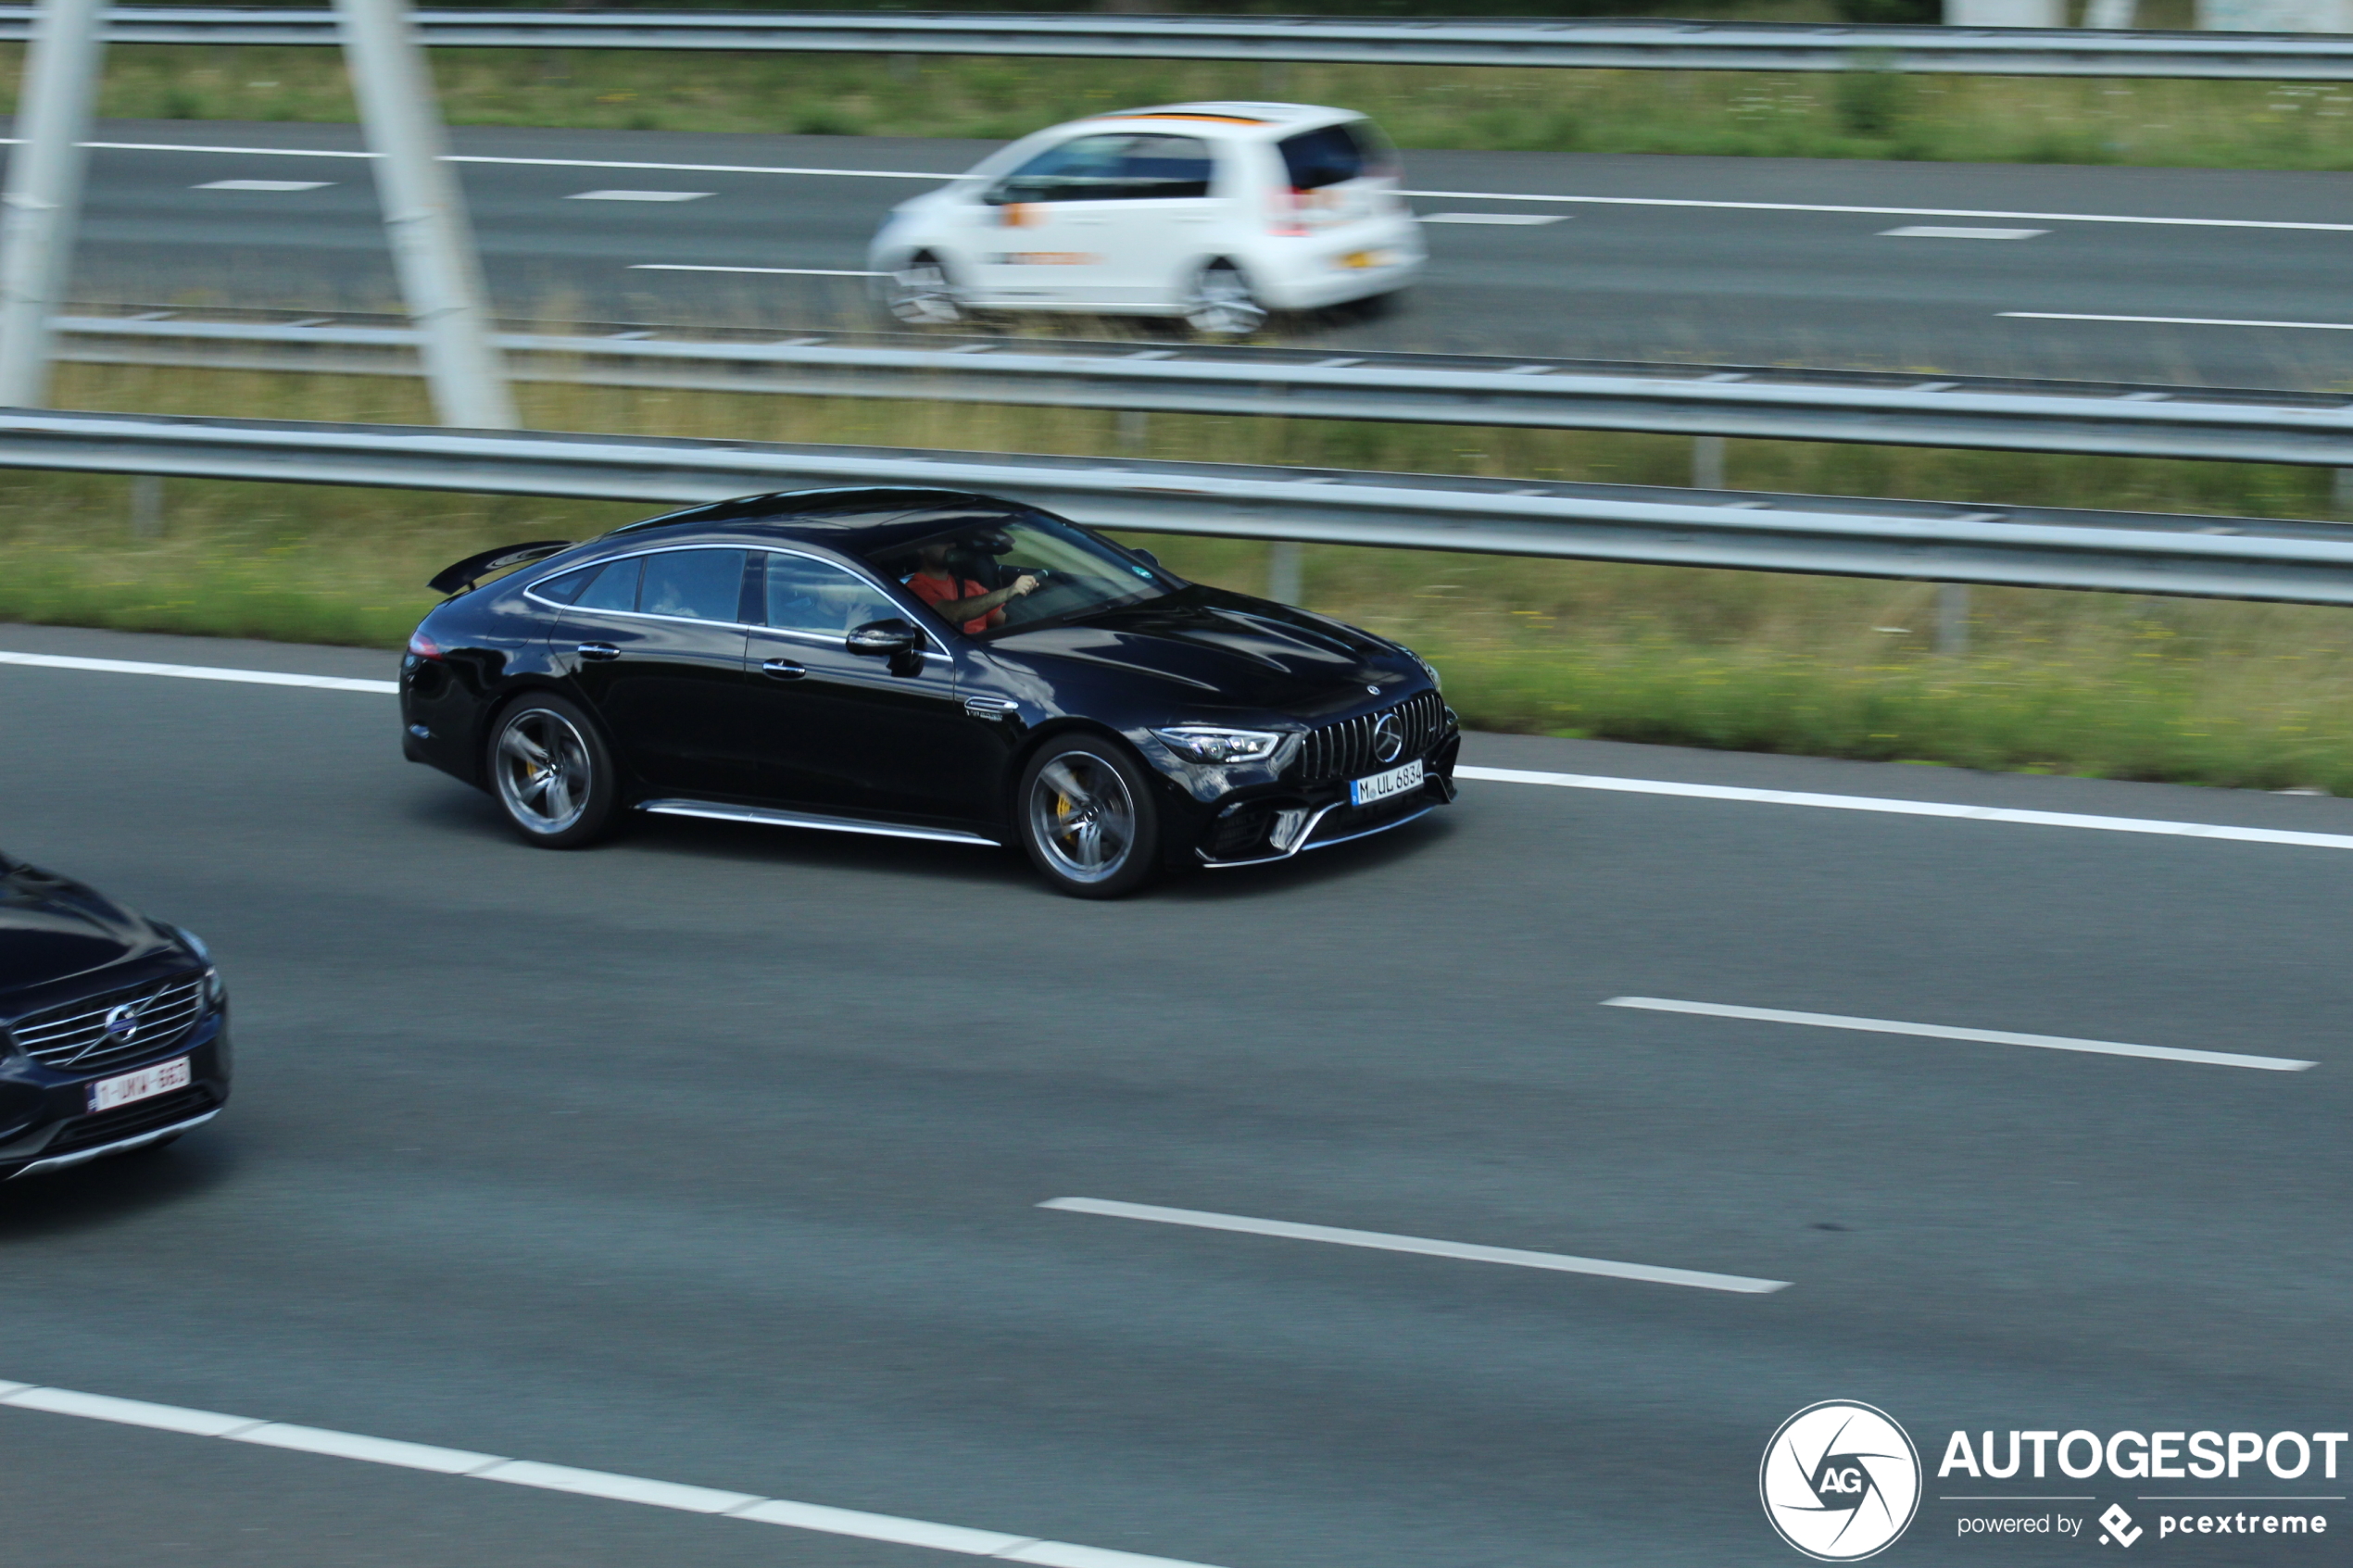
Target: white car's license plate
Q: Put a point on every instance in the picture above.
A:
(1380, 786)
(146, 1083)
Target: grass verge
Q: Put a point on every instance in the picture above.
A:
(1863, 113)
(2216, 693)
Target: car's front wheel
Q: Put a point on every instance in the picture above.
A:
(922, 294)
(552, 773)
(1221, 303)
(1088, 819)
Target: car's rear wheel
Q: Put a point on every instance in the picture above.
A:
(552, 773)
(1088, 819)
(923, 295)
(1220, 303)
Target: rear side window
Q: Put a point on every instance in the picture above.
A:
(565, 586)
(1337, 154)
(693, 585)
(615, 587)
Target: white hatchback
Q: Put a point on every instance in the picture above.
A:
(1217, 213)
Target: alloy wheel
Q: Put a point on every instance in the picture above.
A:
(545, 773)
(1221, 303)
(922, 295)
(1082, 818)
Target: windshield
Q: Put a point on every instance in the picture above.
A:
(1075, 572)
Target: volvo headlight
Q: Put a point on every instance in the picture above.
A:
(1208, 742)
(213, 989)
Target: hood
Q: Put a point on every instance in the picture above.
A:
(1217, 649)
(53, 929)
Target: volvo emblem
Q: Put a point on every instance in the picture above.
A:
(122, 1023)
(1389, 738)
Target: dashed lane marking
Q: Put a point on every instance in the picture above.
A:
(1560, 1263)
(993, 1544)
(773, 271)
(1976, 1036)
(638, 195)
(1947, 231)
(282, 186)
(2173, 320)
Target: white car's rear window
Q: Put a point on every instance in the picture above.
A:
(1333, 155)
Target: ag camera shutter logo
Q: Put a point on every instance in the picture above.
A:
(1840, 1481)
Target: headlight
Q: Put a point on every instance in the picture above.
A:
(213, 989)
(1206, 743)
(1427, 668)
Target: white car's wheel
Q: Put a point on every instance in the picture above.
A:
(921, 295)
(1220, 304)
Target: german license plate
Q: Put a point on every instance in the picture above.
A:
(146, 1083)
(1380, 786)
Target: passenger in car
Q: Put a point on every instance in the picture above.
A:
(961, 598)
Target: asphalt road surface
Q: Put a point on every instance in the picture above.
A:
(714, 1157)
(1730, 278)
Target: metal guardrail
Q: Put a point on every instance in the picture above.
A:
(2029, 547)
(1878, 409)
(1638, 44)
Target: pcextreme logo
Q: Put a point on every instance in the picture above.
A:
(1840, 1481)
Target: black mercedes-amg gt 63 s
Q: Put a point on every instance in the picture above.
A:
(114, 1029)
(779, 658)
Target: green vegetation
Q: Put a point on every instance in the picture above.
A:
(1862, 113)
(2213, 693)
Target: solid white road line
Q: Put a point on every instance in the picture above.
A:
(1980, 1036)
(1880, 212)
(2173, 320)
(1559, 1262)
(263, 185)
(635, 1489)
(200, 672)
(638, 195)
(773, 271)
(1517, 218)
(1914, 808)
(1941, 231)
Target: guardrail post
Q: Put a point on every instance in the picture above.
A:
(1707, 462)
(146, 506)
(433, 245)
(44, 197)
(1286, 571)
(1951, 620)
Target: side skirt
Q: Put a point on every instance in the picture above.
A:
(770, 816)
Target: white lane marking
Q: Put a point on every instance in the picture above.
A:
(199, 672)
(1517, 219)
(1880, 212)
(1978, 1036)
(635, 1489)
(530, 162)
(263, 185)
(1560, 1263)
(638, 195)
(1946, 231)
(1914, 808)
(773, 271)
(2173, 320)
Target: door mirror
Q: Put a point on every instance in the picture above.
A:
(1145, 556)
(893, 639)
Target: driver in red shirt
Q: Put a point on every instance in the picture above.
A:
(961, 600)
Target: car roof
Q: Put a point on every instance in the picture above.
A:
(855, 520)
(1233, 118)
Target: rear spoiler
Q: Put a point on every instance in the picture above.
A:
(466, 573)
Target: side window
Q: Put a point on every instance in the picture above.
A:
(566, 588)
(615, 587)
(1332, 155)
(815, 596)
(1087, 168)
(1166, 166)
(693, 585)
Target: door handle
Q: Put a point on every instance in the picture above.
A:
(598, 651)
(784, 670)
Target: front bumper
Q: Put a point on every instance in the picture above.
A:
(1267, 826)
(49, 1126)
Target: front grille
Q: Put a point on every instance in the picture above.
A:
(75, 1035)
(1344, 750)
(130, 1121)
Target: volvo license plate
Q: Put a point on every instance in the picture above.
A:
(1381, 786)
(146, 1083)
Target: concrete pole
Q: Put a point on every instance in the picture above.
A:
(1286, 568)
(433, 245)
(44, 197)
(1707, 462)
(1951, 620)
